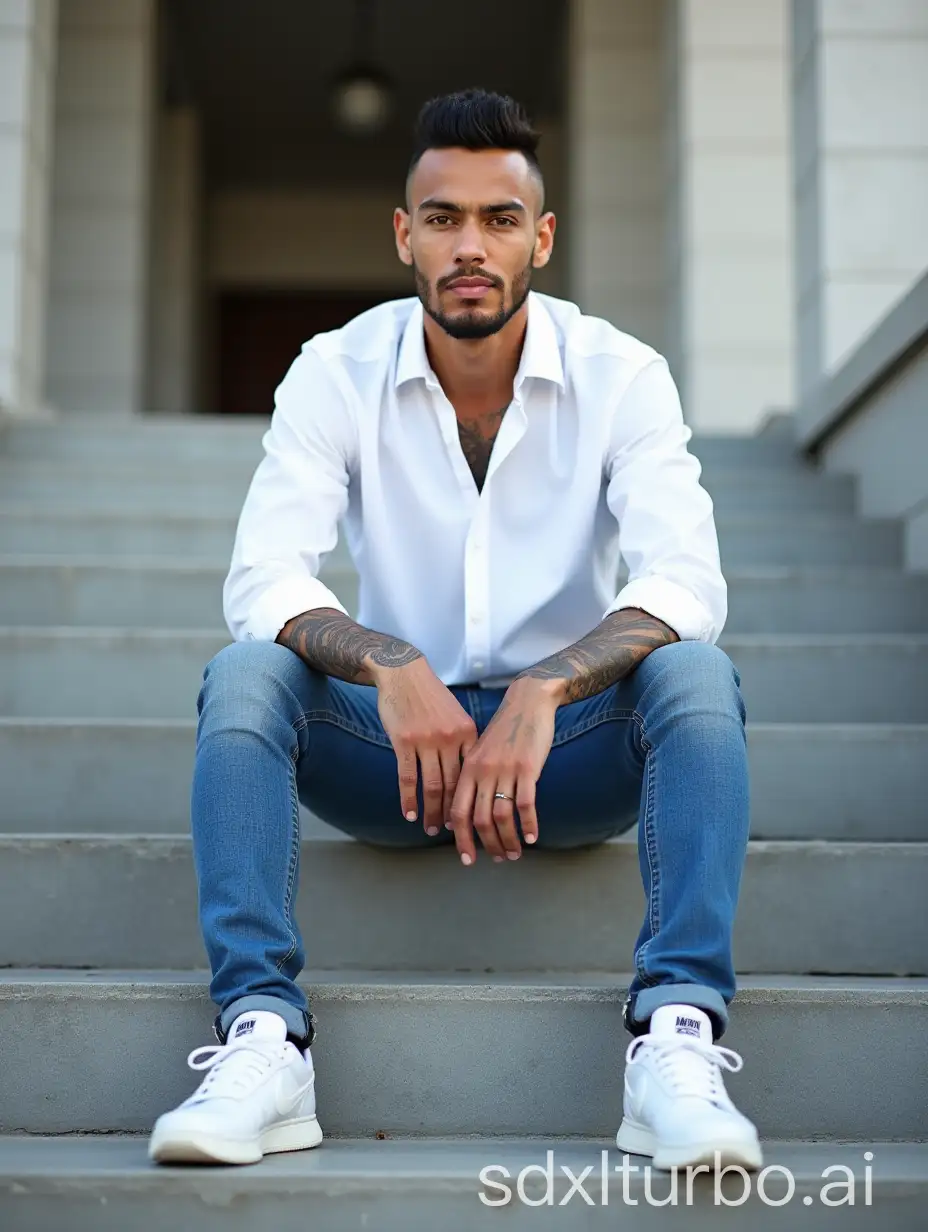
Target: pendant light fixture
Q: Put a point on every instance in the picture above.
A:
(362, 95)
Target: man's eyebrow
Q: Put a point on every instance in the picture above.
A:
(504, 207)
(450, 207)
(432, 203)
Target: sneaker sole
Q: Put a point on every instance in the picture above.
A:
(200, 1148)
(635, 1139)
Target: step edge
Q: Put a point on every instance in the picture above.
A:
(87, 633)
(60, 984)
(798, 847)
(193, 565)
(793, 730)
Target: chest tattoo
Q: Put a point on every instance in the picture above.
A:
(477, 437)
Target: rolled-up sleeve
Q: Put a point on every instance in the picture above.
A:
(667, 533)
(298, 493)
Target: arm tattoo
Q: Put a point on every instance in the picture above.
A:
(521, 721)
(333, 643)
(611, 652)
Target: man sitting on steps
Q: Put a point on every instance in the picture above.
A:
(490, 453)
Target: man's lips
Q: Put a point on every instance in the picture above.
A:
(470, 288)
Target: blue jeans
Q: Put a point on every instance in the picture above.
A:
(666, 746)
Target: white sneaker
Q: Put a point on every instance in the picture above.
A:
(676, 1107)
(258, 1097)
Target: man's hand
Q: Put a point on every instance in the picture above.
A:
(508, 758)
(426, 723)
(428, 727)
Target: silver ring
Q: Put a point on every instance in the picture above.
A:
(499, 795)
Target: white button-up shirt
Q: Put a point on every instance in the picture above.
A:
(591, 461)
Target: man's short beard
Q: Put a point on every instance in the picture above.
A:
(472, 324)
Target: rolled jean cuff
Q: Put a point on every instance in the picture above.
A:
(638, 1009)
(300, 1024)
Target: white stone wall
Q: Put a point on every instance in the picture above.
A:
(886, 447)
(615, 142)
(860, 82)
(100, 206)
(730, 238)
(27, 51)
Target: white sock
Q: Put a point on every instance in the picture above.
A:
(261, 1024)
(681, 1020)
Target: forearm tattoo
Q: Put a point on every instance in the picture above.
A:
(611, 652)
(332, 642)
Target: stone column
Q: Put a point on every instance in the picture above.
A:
(614, 149)
(730, 258)
(860, 107)
(98, 294)
(27, 49)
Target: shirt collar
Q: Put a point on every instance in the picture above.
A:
(541, 353)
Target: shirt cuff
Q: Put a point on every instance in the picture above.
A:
(670, 602)
(281, 602)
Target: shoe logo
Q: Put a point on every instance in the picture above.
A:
(288, 1103)
(245, 1028)
(687, 1026)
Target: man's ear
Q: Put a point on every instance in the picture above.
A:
(401, 227)
(544, 240)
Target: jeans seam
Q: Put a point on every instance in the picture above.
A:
(295, 836)
(587, 724)
(328, 716)
(654, 917)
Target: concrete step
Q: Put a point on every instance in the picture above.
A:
(91, 591)
(464, 1055)
(219, 439)
(106, 1184)
(152, 487)
(761, 539)
(808, 539)
(805, 907)
(29, 529)
(826, 599)
(156, 673)
(853, 781)
(204, 439)
(101, 590)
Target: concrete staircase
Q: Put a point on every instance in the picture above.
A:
(468, 1020)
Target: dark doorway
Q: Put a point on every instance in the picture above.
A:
(261, 332)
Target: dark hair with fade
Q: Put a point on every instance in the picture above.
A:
(475, 120)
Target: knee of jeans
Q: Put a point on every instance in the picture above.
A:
(245, 679)
(701, 673)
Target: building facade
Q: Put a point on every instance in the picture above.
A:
(743, 185)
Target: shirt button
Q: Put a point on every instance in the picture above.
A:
(478, 664)
(475, 619)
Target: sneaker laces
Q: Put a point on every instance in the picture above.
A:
(690, 1066)
(234, 1069)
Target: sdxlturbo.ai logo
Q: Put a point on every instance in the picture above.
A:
(731, 1185)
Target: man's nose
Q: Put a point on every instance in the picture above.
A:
(470, 246)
